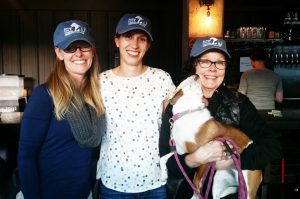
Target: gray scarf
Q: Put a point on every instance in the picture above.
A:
(86, 126)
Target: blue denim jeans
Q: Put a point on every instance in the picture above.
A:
(158, 193)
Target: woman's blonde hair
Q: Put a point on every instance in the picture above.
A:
(65, 93)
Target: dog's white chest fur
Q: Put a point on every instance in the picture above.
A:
(185, 129)
(192, 111)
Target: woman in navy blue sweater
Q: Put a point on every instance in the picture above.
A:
(62, 121)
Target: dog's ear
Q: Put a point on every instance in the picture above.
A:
(176, 97)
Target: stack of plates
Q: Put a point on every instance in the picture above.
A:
(11, 91)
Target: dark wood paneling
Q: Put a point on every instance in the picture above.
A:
(166, 32)
(46, 54)
(116, 5)
(1, 47)
(61, 15)
(99, 26)
(11, 43)
(113, 18)
(81, 15)
(28, 44)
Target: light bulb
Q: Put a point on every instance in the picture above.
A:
(208, 21)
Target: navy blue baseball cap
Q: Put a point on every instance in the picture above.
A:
(208, 43)
(69, 31)
(133, 21)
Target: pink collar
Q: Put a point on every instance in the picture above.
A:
(179, 115)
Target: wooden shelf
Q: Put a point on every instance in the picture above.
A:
(255, 40)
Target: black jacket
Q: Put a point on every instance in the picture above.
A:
(265, 146)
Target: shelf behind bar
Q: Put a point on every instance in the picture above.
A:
(255, 40)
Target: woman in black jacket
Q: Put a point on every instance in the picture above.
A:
(209, 59)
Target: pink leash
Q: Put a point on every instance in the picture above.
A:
(173, 145)
(242, 194)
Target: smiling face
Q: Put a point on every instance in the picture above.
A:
(78, 58)
(132, 46)
(210, 78)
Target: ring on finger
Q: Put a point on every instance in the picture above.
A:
(224, 153)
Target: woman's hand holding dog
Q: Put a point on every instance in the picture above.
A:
(213, 151)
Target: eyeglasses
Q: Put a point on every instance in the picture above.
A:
(205, 63)
(82, 48)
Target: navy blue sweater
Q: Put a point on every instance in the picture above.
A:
(51, 164)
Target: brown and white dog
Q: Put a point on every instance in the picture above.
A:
(197, 127)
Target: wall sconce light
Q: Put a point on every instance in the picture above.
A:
(206, 3)
(206, 18)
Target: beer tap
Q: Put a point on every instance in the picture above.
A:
(276, 58)
(281, 58)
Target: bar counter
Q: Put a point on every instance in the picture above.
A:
(285, 122)
(282, 119)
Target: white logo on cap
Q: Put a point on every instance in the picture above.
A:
(212, 42)
(137, 20)
(74, 28)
